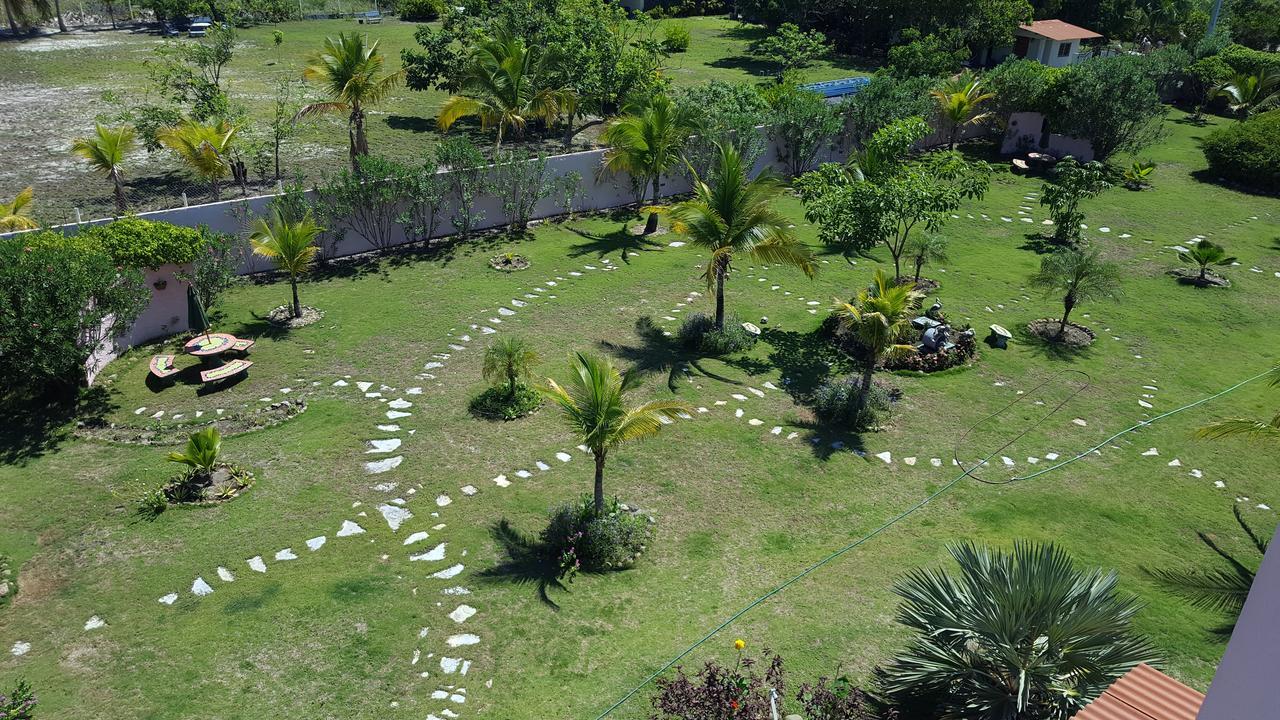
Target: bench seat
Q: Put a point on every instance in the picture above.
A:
(162, 366)
(242, 345)
(222, 372)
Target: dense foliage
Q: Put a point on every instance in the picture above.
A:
(724, 113)
(1248, 152)
(841, 402)
(698, 334)
(19, 704)
(1112, 102)
(138, 243)
(584, 540)
(884, 100)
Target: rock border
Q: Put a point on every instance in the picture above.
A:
(1191, 276)
(1038, 327)
(282, 317)
(230, 424)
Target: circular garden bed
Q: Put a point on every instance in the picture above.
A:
(1073, 335)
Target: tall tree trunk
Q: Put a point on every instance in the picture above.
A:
(359, 143)
(919, 264)
(1068, 303)
(721, 268)
(864, 392)
(599, 486)
(651, 226)
(213, 185)
(277, 159)
(122, 203)
(57, 10)
(297, 306)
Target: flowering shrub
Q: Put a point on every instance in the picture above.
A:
(18, 704)
(838, 699)
(717, 692)
(137, 243)
(965, 350)
(581, 540)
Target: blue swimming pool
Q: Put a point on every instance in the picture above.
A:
(839, 88)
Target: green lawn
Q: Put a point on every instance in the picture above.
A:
(739, 509)
(67, 77)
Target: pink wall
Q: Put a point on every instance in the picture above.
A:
(164, 316)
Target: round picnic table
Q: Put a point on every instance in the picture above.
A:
(209, 347)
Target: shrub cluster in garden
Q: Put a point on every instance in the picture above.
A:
(583, 541)
(966, 348)
(698, 334)
(496, 402)
(137, 243)
(19, 704)
(836, 402)
(419, 10)
(676, 38)
(1247, 152)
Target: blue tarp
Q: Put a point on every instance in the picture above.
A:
(839, 88)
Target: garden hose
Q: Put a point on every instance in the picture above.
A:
(966, 472)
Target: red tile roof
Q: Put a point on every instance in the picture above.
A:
(1144, 693)
(1059, 30)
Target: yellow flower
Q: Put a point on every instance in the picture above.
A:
(739, 644)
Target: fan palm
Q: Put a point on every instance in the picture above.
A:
(201, 453)
(291, 246)
(1016, 635)
(734, 214)
(646, 142)
(880, 317)
(502, 85)
(959, 101)
(926, 248)
(509, 359)
(594, 405)
(350, 69)
(1247, 93)
(1204, 254)
(16, 215)
(105, 151)
(206, 149)
(1220, 590)
(1081, 275)
(1254, 429)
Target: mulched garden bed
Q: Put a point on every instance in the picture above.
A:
(1191, 276)
(1076, 336)
(283, 317)
(509, 262)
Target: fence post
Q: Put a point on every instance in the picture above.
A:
(79, 219)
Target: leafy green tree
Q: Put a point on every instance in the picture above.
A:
(880, 317)
(608, 59)
(215, 268)
(350, 70)
(990, 23)
(1250, 93)
(790, 48)
(1111, 102)
(725, 114)
(594, 406)
(733, 214)
(105, 152)
(291, 246)
(1071, 183)
(883, 100)
(1019, 85)
(1020, 634)
(933, 55)
(468, 179)
(800, 121)
(189, 74)
(1253, 429)
(16, 214)
(509, 359)
(1203, 254)
(205, 149)
(504, 86)
(646, 143)
(1081, 275)
(960, 101)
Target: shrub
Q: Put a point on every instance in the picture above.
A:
(716, 692)
(966, 347)
(500, 403)
(676, 38)
(838, 699)
(727, 113)
(215, 267)
(800, 122)
(366, 202)
(884, 100)
(1019, 86)
(836, 402)
(932, 55)
(698, 334)
(1248, 61)
(584, 541)
(419, 10)
(1247, 152)
(137, 243)
(1112, 102)
(18, 704)
(791, 48)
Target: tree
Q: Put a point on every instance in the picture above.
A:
(726, 113)
(790, 48)
(1020, 634)
(105, 152)
(504, 86)
(1203, 254)
(926, 248)
(350, 70)
(1247, 93)
(880, 317)
(291, 246)
(799, 121)
(189, 74)
(605, 56)
(1019, 85)
(733, 214)
(1070, 183)
(883, 100)
(932, 55)
(594, 406)
(510, 359)
(1252, 429)
(959, 103)
(1081, 275)
(206, 149)
(646, 142)
(283, 123)
(16, 214)
(1112, 102)
(201, 452)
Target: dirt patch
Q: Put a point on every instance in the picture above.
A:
(923, 285)
(1189, 276)
(283, 317)
(509, 262)
(229, 424)
(1076, 336)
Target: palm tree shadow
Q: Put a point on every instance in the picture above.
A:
(658, 353)
(805, 360)
(621, 241)
(826, 440)
(1053, 350)
(527, 561)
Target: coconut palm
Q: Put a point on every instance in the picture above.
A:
(959, 101)
(206, 149)
(1253, 429)
(105, 151)
(350, 70)
(503, 86)
(734, 214)
(1015, 635)
(1248, 93)
(1204, 254)
(509, 359)
(16, 215)
(1081, 275)
(594, 405)
(291, 246)
(646, 142)
(880, 317)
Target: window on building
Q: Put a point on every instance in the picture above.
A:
(1064, 49)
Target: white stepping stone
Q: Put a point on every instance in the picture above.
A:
(487, 330)
(200, 588)
(936, 462)
(349, 528)
(909, 460)
(563, 456)
(1150, 452)
(389, 428)
(665, 420)
(1033, 460)
(1051, 456)
(397, 414)
(469, 490)
(777, 430)
(506, 311)
(518, 303)
(675, 243)
(755, 421)
(399, 404)
(1197, 474)
(1175, 463)
(381, 466)
(1080, 422)
(139, 411)
(523, 474)
(435, 554)
(339, 383)
(793, 436)
(449, 665)
(373, 394)
(462, 640)
(502, 481)
(451, 571)
(394, 515)
(462, 613)
(286, 554)
(885, 456)
(770, 386)
(739, 398)
(256, 564)
(169, 599)
(364, 386)
(542, 466)
(1007, 461)
(433, 365)
(225, 575)
(416, 537)
(157, 415)
(316, 543)
(94, 623)
(1144, 403)
(442, 500)
(1262, 506)
(738, 413)
(383, 446)
(757, 393)
(1219, 484)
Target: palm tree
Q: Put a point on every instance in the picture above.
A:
(880, 317)
(206, 149)
(105, 151)
(509, 359)
(16, 215)
(1081, 275)
(734, 214)
(1204, 254)
(926, 248)
(594, 407)
(201, 453)
(290, 245)
(958, 102)
(1017, 635)
(502, 85)
(646, 142)
(1253, 429)
(1220, 590)
(350, 70)
(1247, 93)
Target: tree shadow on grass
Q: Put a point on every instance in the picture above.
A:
(805, 359)
(37, 422)
(1051, 350)
(746, 63)
(826, 440)
(526, 562)
(658, 353)
(621, 241)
